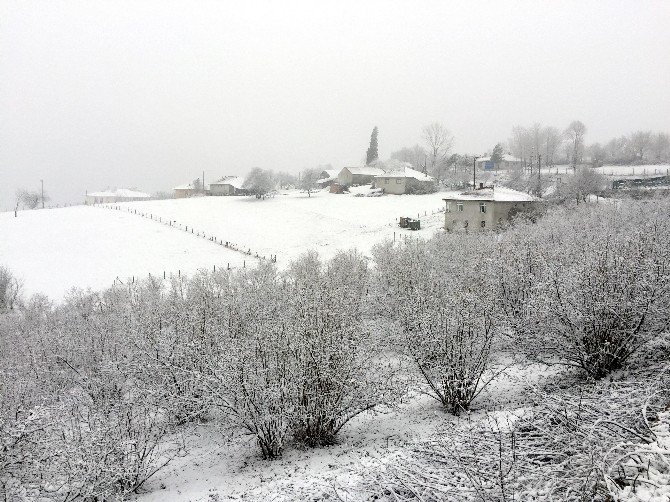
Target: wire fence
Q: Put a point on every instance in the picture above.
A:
(189, 229)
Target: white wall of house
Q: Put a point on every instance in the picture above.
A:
(222, 189)
(395, 186)
(480, 215)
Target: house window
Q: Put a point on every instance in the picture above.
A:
(459, 207)
(482, 208)
(448, 207)
(398, 181)
(483, 224)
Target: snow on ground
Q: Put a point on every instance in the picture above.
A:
(291, 222)
(89, 247)
(219, 469)
(52, 250)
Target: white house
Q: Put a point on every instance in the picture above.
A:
(508, 162)
(485, 208)
(403, 179)
(117, 195)
(228, 185)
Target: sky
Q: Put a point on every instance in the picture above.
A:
(149, 94)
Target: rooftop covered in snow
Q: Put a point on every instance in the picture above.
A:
(496, 194)
(121, 193)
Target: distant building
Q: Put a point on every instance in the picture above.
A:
(117, 195)
(404, 179)
(183, 191)
(228, 185)
(327, 177)
(507, 162)
(350, 176)
(485, 208)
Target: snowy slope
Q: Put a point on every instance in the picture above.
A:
(291, 222)
(53, 250)
(89, 247)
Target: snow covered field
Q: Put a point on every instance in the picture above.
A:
(90, 247)
(53, 250)
(291, 223)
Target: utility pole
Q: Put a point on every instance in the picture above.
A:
(474, 168)
(203, 182)
(42, 182)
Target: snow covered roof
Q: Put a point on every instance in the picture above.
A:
(331, 174)
(187, 186)
(234, 181)
(365, 171)
(492, 194)
(506, 158)
(406, 171)
(121, 193)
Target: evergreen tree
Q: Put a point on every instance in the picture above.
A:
(372, 153)
(497, 155)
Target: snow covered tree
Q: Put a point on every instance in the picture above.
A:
(497, 154)
(575, 134)
(259, 182)
(308, 180)
(372, 154)
(439, 142)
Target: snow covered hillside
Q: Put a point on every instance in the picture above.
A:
(291, 223)
(90, 247)
(53, 250)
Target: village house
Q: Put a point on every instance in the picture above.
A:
(117, 195)
(404, 179)
(507, 162)
(327, 177)
(228, 185)
(351, 176)
(183, 191)
(485, 208)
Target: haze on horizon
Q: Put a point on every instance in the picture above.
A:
(149, 94)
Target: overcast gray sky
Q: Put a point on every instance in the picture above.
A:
(151, 93)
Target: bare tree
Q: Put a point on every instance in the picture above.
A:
(416, 155)
(641, 142)
(552, 141)
(439, 142)
(259, 182)
(661, 146)
(308, 180)
(575, 134)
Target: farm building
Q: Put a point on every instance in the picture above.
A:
(484, 208)
(507, 162)
(349, 176)
(118, 195)
(327, 177)
(228, 185)
(404, 179)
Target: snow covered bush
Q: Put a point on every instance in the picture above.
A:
(340, 369)
(440, 294)
(573, 445)
(600, 286)
(10, 289)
